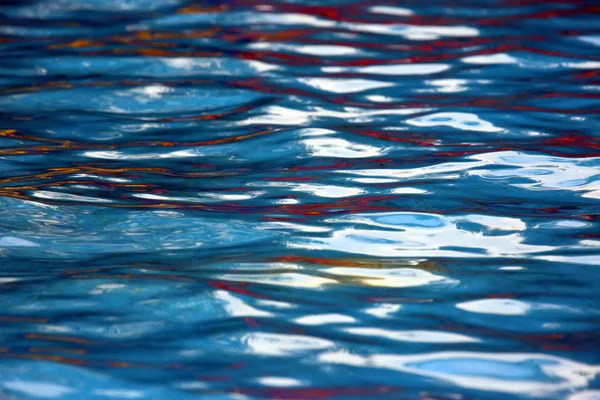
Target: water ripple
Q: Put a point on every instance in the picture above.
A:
(299, 199)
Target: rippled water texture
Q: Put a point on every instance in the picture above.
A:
(299, 199)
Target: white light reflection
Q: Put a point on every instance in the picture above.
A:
(235, 307)
(448, 85)
(544, 172)
(583, 260)
(391, 10)
(119, 155)
(13, 241)
(286, 279)
(408, 190)
(413, 336)
(486, 59)
(383, 310)
(152, 91)
(327, 191)
(314, 50)
(399, 69)
(277, 381)
(324, 319)
(120, 393)
(44, 194)
(294, 227)
(340, 148)
(585, 395)
(275, 304)
(437, 171)
(372, 180)
(419, 234)
(538, 375)
(380, 99)
(278, 115)
(458, 120)
(208, 197)
(413, 32)
(102, 177)
(280, 345)
(37, 389)
(535, 374)
(496, 307)
(388, 277)
(339, 85)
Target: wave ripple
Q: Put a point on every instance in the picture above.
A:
(299, 199)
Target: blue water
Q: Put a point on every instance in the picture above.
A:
(299, 199)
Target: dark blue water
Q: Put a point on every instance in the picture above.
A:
(296, 199)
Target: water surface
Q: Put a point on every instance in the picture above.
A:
(299, 199)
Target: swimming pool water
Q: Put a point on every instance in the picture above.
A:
(299, 199)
